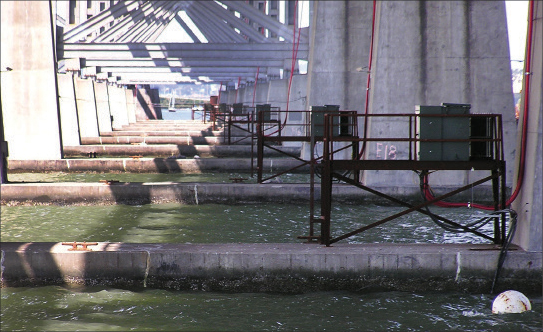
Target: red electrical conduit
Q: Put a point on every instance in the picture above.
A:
(520, 177)
(295, 46)
(366, 105)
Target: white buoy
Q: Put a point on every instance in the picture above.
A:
(511, 301)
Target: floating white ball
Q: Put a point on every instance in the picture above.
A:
(511, 302)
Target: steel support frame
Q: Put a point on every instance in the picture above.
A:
(330, 167)
(329, 172)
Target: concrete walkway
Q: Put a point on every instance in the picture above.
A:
(290, 268)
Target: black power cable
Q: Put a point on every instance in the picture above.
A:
(477, 225)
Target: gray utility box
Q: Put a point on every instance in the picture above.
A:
(444, 128)
(342, 125)
(266, 112)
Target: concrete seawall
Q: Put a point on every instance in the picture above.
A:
(196, 193)
(153, 165)
(291, 268)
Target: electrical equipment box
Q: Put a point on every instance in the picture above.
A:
(237, 108)
(342, 125)
(266, 112)
(449, 128)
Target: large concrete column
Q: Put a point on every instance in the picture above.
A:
(30, 109)
(431, 52)
(68, 110)
(528, 203)
(102, 106)
(339, 48)
(277, 93)
(86, 108)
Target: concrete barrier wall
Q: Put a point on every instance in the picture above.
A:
(284, 268)
(29, 91)
(190, 193)
(86, 108)
(102, 106)
(68, 110)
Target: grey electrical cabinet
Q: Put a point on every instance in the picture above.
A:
(448, 128)
(266, 111)
(342, 125)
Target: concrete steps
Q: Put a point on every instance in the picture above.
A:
(163, 139)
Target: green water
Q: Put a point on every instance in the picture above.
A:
(55, 308)
(217, 177)
(216, 223)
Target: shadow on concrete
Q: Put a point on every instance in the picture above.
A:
(141, 100)
(165, 165)
(29, 271)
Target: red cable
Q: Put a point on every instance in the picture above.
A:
(527, 70)
(295, 46)
(366, 106)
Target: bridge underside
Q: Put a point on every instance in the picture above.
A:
(225, 42)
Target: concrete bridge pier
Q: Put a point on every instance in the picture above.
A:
(30, 109)
(117, 106)
(102, 106)
(68, 110)
(434, 52)
(130, 105)
(86, 107)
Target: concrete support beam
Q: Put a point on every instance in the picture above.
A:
(184, 63)
(100, 20)
(102, 106)
(226, 51)
(30, 107)
(235, 21)
(68, 110)
(211, 19)
(86, 108)
(271, 24)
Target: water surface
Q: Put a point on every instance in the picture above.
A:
(55, 308)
